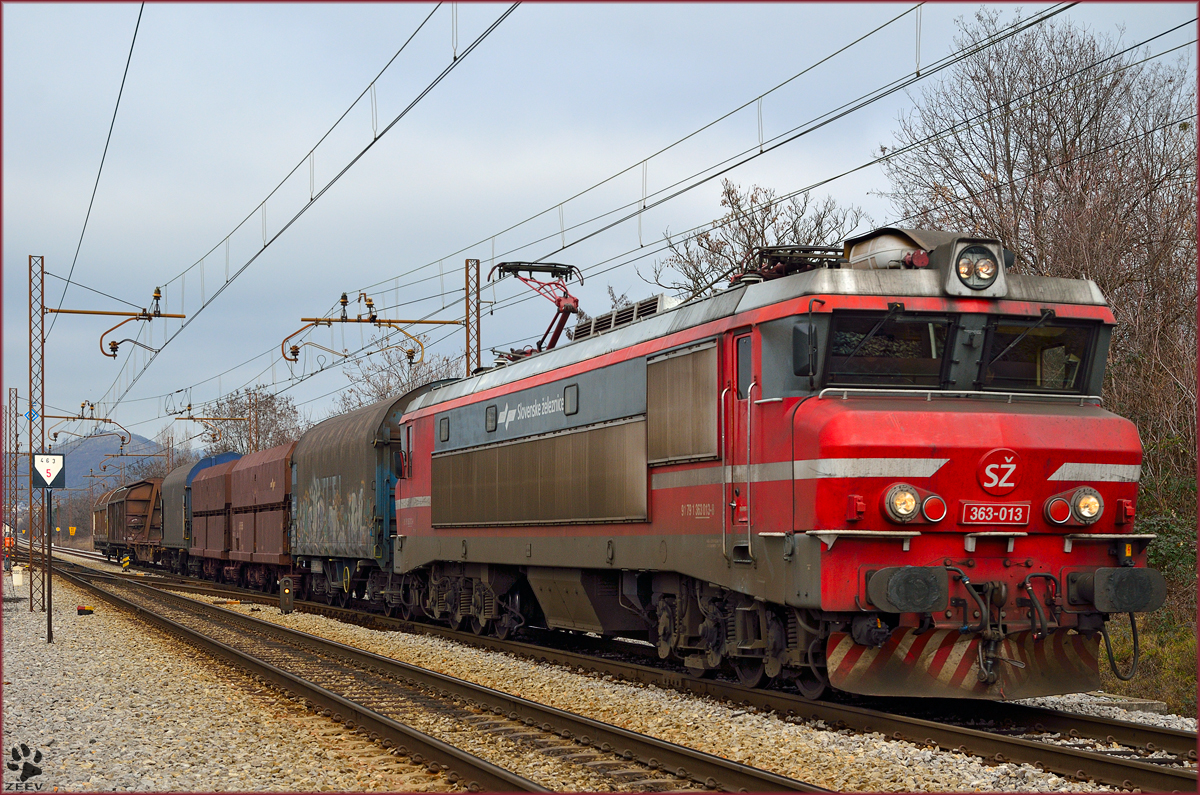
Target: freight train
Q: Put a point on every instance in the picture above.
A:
(882, 469)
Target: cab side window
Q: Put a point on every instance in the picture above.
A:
(745, 370)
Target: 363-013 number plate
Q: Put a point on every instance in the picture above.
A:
(995, 513)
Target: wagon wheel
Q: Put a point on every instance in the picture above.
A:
(391, 610)
(406, 611)
(343, 599)
(750, 670)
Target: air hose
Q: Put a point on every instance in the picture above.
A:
(1136, 651)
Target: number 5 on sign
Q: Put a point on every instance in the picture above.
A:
(50, 472)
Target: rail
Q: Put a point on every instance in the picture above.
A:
(1079, 763)
(677, 761)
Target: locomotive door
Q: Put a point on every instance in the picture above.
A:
(738, 404)
(402, 470)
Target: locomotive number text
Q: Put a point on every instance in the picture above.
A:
(995, 513)
(698, 510)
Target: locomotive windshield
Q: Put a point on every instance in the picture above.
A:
(892, 349)
(1027, 356)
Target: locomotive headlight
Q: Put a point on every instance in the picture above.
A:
(1087, 505)
(977, 267)
(901, 502)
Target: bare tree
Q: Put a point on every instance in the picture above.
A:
(1082, 160)
(174, 449)
(752, 219)
(387, 373)
(277, 420)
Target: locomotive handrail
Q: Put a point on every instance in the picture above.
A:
(830, 536)
(929, 393)
(749, 468)
(1070, 539)
(724, 484)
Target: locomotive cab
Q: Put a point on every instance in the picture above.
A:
(970, 431)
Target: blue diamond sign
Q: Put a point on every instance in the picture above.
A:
(31, 415)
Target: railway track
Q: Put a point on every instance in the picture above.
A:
(1145, 757)
(381, 697)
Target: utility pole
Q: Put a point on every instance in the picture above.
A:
(37, 427)
(37, 393)
(471, 324)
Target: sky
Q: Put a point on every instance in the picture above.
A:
(222, 102)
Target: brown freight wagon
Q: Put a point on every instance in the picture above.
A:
(260, 504)
(135, 520)
(209, 551)
(100, 534)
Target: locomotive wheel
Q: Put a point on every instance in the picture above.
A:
(810, 684)
(750, 671)
(479, 626)
(457, 622)
(391, 610)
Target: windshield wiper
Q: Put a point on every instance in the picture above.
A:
(893, 309)
(1047, 313)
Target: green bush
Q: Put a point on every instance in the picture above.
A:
(1166, 670)
(1174, 551)
(1167, 637)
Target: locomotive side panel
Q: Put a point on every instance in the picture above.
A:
(590, 475)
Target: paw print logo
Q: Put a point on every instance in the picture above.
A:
(20, 761)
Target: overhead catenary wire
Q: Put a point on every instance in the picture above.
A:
(696, 179)
(91, 289)
(99, 171)
(312, 197)
(744, 105)
(783, 198)
(441, 76)
(869, 163)
(661, 151)
(519, 299)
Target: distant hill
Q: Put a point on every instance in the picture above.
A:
(88, 454)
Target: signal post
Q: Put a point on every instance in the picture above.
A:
(47, 473)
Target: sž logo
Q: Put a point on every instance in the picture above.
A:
(999, 471)
(24, 760)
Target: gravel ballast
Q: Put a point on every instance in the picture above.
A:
(201, 727)
(804, 750)
(114, 705)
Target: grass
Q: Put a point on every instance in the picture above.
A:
(1167, 638)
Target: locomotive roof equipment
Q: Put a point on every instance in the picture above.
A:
(554, 291)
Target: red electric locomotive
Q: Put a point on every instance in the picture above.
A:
(882, 468)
